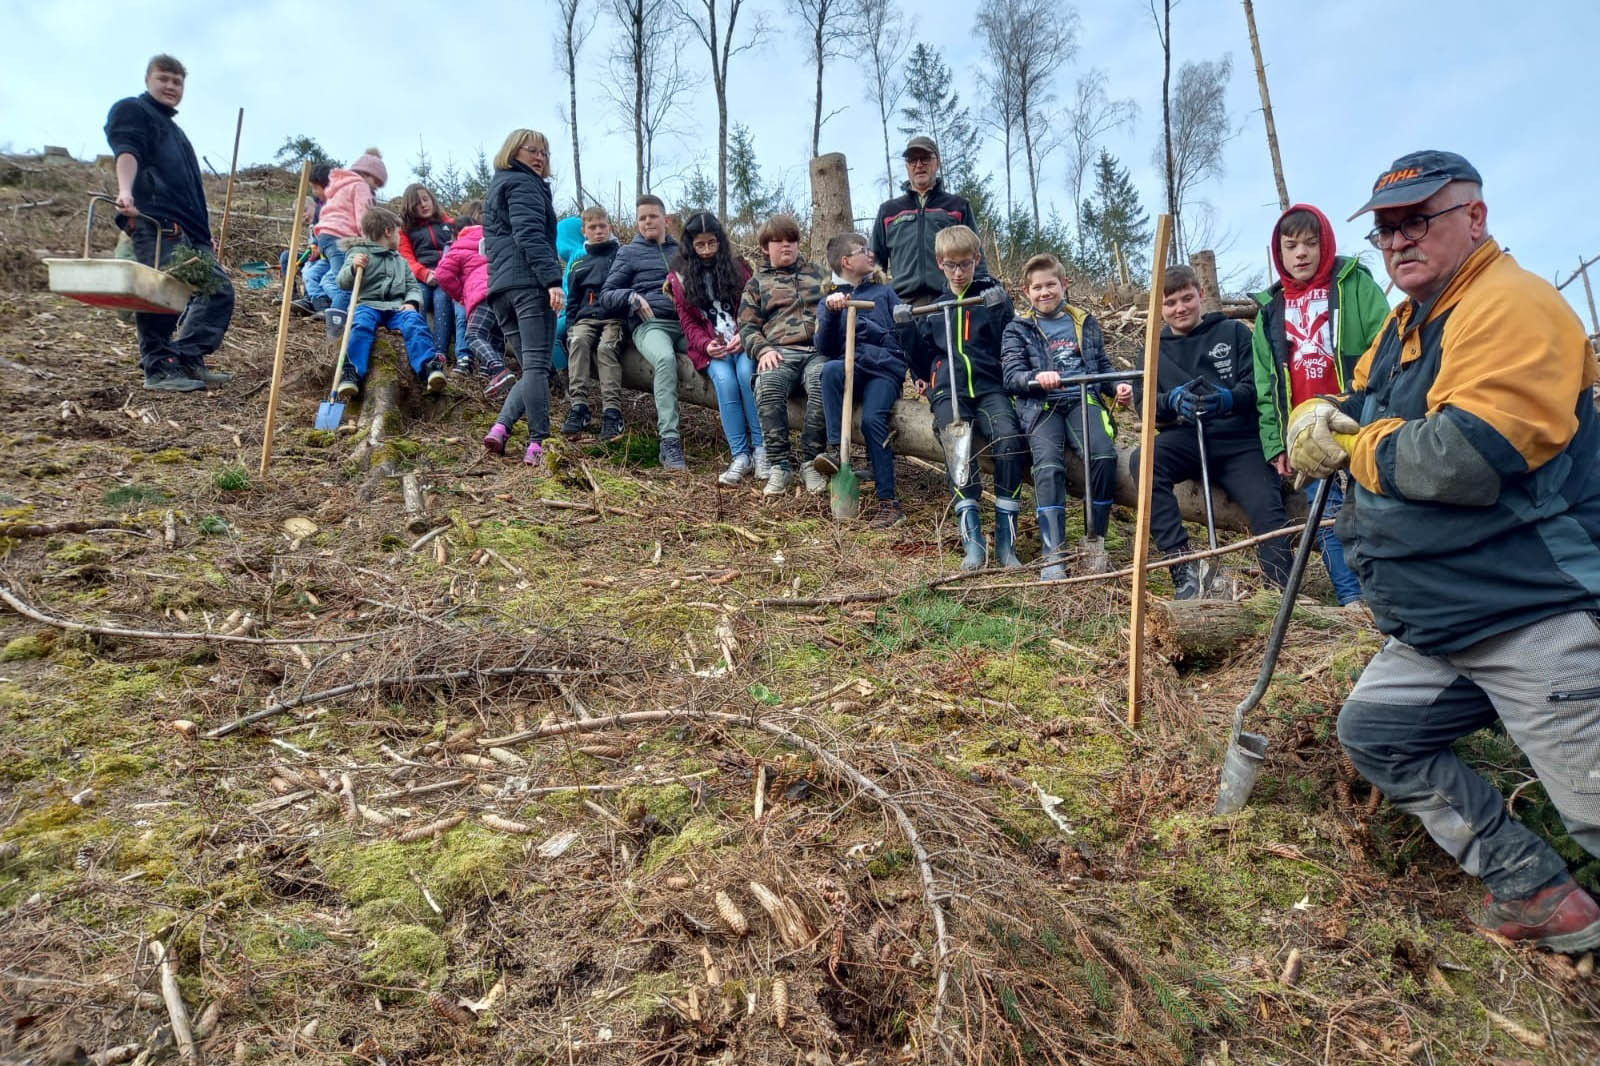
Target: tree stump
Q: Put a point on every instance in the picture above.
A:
(830, 202)
(1205, 268)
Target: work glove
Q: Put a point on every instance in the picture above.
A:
(1320, 436)
(1215, 404)
(1185, 399)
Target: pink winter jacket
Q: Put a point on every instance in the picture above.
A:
(463, 272)
(349, 196)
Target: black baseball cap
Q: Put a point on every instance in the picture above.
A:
(1413, 178)
(921, 144)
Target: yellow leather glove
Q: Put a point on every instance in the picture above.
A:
(1319, 436)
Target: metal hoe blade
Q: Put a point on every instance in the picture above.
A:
(1241, 765)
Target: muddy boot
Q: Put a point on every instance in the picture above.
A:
(975, 550)
(1185, 582)
(1006, 513)
(1560, 917)
(1053, 542)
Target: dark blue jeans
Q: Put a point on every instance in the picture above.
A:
(203, 323)
(449, 320)
(412, 326)
(1345, 583)
(876, 396)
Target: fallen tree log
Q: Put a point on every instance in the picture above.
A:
(912, 424)
(1194, 631)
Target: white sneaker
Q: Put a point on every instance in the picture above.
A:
(763, 468)
(816, 480)
(737, 470)
(778, 482)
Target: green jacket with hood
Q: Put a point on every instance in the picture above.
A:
(1358, 310)
(387, 284)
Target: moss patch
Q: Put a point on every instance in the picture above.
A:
(702, 831)
(31, 646)
(402, 959)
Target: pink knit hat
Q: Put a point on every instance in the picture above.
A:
(370, 163)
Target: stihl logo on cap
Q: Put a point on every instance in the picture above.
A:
(1405, 174)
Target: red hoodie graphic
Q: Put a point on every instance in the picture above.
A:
(1306, 319)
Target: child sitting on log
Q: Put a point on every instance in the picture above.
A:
(880, 368)
(1038, 350)
(390, 296)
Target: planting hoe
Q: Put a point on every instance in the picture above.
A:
(956, 437)
(1242, 762)
(331, 412)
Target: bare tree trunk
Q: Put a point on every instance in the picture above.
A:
(1205, 268)
(1033, 170)
(1266, 107)
(638, 98)
(888, 169)
(1165, 29)
(830, 202)
(816, 122)
(572, 105)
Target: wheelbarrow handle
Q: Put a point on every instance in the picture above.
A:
(88, 229)
(1280, 623)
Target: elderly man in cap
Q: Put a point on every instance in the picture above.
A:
(902, 238)
(1474, 525)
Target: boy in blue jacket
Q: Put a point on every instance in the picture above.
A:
(1060, 341)
(879, 372)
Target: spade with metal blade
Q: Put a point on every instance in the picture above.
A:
(844, 488)
(331, 411)
(1241, 765)
(956, 437)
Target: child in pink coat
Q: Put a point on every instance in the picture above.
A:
(348, 197)
(463, 273)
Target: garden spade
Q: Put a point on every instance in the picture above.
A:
(331, 412)
(1241, 764)
(844, 488)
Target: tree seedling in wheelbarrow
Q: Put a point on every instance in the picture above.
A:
(331, 413)
(956, 437)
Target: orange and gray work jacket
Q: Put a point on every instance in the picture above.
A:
(1476, 507)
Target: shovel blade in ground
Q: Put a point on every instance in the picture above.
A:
(956, 439)
(844, 493)
(330, 414)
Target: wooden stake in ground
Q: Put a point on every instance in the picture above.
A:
(1147, 460)
(182, 1035)
(271, 426)
(227, 200)
(1266, 107)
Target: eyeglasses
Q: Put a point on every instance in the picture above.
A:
(1413, 228)
(533, 149)
(963, 265)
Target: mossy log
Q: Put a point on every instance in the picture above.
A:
(1194, 631)
(912, 425)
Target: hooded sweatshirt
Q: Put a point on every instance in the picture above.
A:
(1310, 334)
(1216, 351)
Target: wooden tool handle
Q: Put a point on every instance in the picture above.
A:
(860, 305)
(849, 380)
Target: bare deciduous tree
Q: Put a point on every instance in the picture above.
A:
(833, 28)
(649, 82)
(1030, 41)
(1090, 117)
(884, 42)
(1001, 113)
(715, 22)
(1197, 132)
(576, 25)
(1163, 20)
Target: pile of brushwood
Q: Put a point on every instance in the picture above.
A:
(399, 754)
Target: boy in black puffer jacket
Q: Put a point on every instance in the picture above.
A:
(1206, 372)
(879, 372)
(594, 338)
(1062, 341)
(980, 395)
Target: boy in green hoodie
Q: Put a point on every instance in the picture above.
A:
(390, 296)
(1313, 326)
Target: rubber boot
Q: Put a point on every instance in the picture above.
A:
(975, 552)
(1053, 542)
(1006, 513)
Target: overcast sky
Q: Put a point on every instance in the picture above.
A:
(1354, 84)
